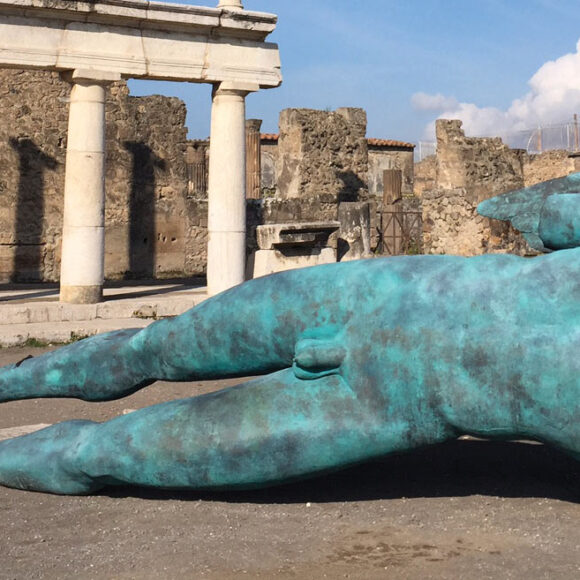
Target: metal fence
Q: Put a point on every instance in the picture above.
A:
(542, 138)
(425, 149)
(399, 232)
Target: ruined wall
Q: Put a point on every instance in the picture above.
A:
(451, 225)
(484, 167)
(322, 153)
(153, 227)
(33, 128)
(145, 212)
(469, 170)
(547, 165)
(425, 177)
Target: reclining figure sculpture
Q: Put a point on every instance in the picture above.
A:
(361, 359)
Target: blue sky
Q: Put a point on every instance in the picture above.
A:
(408, 61)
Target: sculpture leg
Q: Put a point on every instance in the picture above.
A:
(99, 368)
(193, 346)
(273, 429)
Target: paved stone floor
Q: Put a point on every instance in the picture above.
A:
(467, 509)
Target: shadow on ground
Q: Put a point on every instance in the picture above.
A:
(457, 468)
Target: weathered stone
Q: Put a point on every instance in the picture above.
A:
(293, 245)
(148, 212)
(483, 167)
(355, 230)
(322, 152)
(469, 170)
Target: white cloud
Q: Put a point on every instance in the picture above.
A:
(553, 97)
(438, 102)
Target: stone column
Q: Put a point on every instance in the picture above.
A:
(230, 4)
(253, 159)
(226, 250)
(83, 236)
(196, 169)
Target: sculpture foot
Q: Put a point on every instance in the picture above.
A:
(46, 460)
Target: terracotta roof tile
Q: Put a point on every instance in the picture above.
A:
(370, 141)
(389, 143)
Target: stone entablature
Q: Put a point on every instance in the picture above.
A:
(140, 39)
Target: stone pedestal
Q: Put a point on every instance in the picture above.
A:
(226, 250)
(289, 246)
(354, 241)
(83, 239)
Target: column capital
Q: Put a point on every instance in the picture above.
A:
(236, 88)
(253, 125)
(89, 76)
(230, 4)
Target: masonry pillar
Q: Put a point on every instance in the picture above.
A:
(226, 251)
(83, 236)
(253, 159)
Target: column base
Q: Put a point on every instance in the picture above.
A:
(81, 294)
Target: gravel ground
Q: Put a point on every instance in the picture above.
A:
(466, 509)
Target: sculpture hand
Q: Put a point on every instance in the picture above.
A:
(547, 214)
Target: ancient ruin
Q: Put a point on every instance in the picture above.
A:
(466, 171)
(224, 46)
(156, 180)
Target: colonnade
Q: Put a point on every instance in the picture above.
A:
(83, 237)
(83, 240)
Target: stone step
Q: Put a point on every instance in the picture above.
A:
(40, 334)
(150, 308)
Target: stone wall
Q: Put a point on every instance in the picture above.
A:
(547, 165)
(269, 154)
(425, 176)
(451, 225)
(322, 153)
(33, 129)
(469, 170)
(484, 167)
(318, 160)
(153, 227)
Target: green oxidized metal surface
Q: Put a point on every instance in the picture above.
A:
(547, 214)
(360, 359)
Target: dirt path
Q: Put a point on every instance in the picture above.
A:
(468, 509)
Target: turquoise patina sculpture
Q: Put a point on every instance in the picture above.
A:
(361, 359)
(547, 214)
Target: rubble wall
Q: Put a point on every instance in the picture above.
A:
(322, 153)
(469, 170)
(153, 228)
(547, 165)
